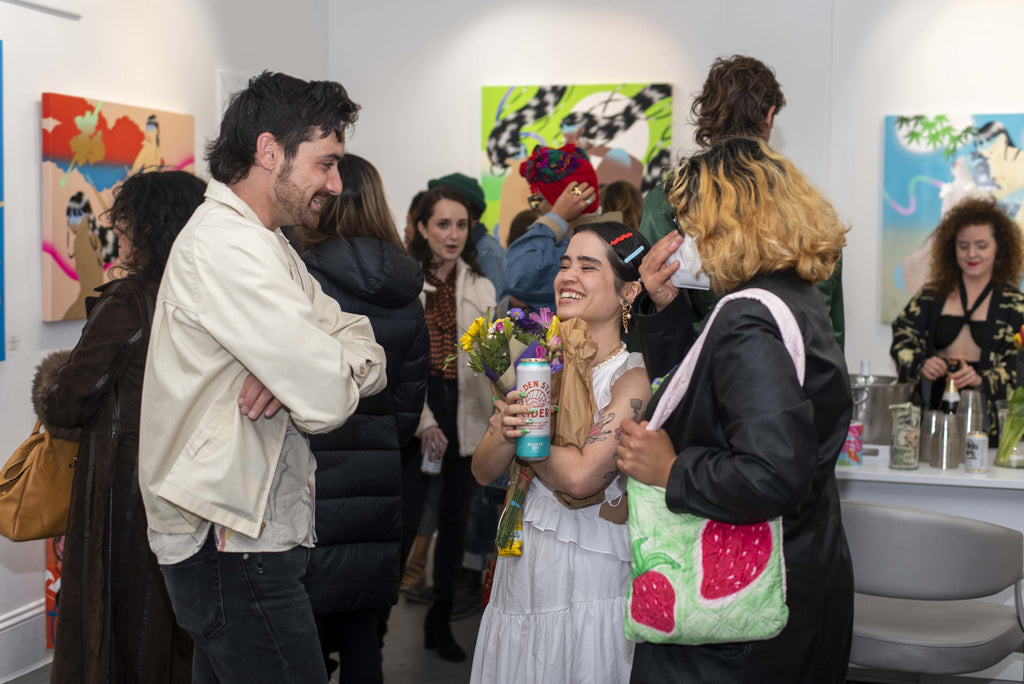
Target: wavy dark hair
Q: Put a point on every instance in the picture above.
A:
(420, 249)
(944, 273)
(735, 100)
(361, 210)
(150, 209)
(626, 248)
(292, 110)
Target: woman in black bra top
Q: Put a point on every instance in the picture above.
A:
(969, 309)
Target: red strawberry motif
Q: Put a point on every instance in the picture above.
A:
(653, 602)
(733, 556)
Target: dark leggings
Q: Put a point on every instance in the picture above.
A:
(457, 486)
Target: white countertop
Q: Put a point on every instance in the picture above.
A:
(876, 469)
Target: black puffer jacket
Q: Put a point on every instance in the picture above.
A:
(358, 479)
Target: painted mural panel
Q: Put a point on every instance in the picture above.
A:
(89, 146)
(625, 128)
(931, 163)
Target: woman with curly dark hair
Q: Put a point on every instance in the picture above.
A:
(116, 623)
(969, 309)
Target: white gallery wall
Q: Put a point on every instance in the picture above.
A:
(417, 69)
(144, 52)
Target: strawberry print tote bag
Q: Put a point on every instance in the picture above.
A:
(699, 581)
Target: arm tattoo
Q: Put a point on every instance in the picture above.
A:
(638, 408)
(600, 431)
(638, 412)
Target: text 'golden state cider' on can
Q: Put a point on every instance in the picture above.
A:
(976, 453)
(533, 379)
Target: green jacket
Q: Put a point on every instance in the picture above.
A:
(657, 222)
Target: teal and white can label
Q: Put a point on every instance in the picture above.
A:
(533, 378)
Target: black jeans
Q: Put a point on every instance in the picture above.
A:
(248, 614)
(457, 487)
(354, 636)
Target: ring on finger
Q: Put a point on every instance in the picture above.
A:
(576, 192)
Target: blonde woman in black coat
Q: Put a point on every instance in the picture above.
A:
(748, 441)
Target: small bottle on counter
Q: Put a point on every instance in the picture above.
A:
(950, 397)
(865, 377)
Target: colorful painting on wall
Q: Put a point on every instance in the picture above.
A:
(931, 163)
(625, 128)
(54, 568)
(89, 146)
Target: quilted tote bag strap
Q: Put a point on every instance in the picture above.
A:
(680, 380)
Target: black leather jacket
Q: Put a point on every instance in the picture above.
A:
(754, 444)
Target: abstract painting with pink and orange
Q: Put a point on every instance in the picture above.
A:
(89, 147)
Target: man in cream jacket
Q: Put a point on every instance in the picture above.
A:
(246, 354)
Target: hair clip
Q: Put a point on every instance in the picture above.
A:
(624, 236)
(639, 250)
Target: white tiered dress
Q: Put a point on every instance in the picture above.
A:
(556, 612)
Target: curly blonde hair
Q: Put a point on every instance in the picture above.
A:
(752, 212)
(944, 271)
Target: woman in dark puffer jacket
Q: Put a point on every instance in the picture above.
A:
(356, 255)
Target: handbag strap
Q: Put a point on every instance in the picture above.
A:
(676, 387)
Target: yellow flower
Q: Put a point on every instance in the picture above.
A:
(553, 330)
(474, 329)
(466, 342)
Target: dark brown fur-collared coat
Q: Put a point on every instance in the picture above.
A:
(115, 622)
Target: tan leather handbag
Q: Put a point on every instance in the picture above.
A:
(35, 487)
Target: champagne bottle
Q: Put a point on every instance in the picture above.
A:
(950, 397)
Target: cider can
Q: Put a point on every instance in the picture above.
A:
(533, 380)
(976, 453)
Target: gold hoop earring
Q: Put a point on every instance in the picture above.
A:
(626, 315)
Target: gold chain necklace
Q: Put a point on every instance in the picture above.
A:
(605, 360)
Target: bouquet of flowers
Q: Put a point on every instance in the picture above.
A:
(494, 347)
(1012, 428)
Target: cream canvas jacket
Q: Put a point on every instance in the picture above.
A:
(236, 299)
(474, 295)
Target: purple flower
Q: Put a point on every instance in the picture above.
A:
(543, 317)
(556, 364)
(516, 314)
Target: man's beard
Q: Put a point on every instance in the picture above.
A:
(289, 195)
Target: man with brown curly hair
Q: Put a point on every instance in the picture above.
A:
(740, 97)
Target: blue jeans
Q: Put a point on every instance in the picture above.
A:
(248, 615)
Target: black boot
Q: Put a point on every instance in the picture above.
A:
(437, 632)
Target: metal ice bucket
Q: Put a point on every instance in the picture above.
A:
(871, 401)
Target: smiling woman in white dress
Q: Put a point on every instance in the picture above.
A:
(556, 612)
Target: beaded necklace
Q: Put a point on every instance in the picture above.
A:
(605, 360)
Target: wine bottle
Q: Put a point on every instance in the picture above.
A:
(950, 397)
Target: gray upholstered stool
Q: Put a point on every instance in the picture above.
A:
(914, 573)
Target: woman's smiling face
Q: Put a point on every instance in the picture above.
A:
(585, 286)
